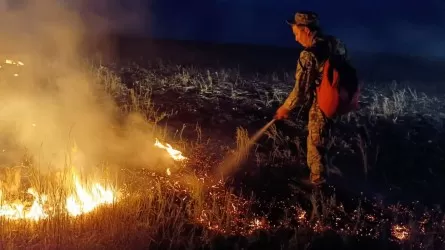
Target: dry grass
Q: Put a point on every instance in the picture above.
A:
(179, 211)
(154, 212)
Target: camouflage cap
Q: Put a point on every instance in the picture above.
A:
(304, 18)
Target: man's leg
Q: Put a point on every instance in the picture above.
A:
(318, 130)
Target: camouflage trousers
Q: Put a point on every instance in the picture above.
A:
(318, 134)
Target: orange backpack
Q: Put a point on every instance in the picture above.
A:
(338, 90)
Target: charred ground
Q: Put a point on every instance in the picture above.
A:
(388, 160)
(389, 153)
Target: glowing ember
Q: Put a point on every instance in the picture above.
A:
(258, 224)
(400, 232)
(174, 154)
(81, 201)
(301, 215)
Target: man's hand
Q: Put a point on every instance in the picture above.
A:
(282, 113)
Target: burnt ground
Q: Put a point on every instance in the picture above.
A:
(391, 152)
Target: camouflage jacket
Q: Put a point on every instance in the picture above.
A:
(310, 67)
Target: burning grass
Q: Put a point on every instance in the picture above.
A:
(181, 206)
(81, 198)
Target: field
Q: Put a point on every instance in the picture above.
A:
(386, 169)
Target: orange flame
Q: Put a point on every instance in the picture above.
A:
(81, 201)
(16, 209)
(84, 200)
(174, 154)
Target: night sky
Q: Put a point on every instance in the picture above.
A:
(398, 26)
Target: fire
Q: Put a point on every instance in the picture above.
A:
(85, 201)
(82, 200)
(400, 232)
(12, 62)
(16, 210)
(18, 63)
(175, 154)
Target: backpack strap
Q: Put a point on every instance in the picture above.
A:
(322, 51)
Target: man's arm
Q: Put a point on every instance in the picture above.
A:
(304, 78)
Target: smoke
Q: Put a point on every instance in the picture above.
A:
(55, 107)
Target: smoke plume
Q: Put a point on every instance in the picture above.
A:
(52, 106)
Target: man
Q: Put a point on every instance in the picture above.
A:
(317, 49)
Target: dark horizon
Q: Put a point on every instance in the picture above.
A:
(396, 26)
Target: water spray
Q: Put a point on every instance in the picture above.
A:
(232, 162)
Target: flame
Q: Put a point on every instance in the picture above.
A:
(85, 201)
(18, 63)
(16, 210)
(81, 201)
(174, 154)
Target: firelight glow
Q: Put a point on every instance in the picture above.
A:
(82, 198)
